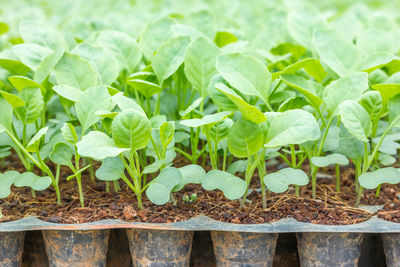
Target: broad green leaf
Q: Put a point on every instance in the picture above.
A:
(248, 111)
(387, 91)
(220, 130)
(304, 87)
(69, 133)
(47, 65)
(68, 92)
(167, 130)
(124, 102)
(200, 61)
(350, 146)
(61, 154)
(335, 51)
(31, 54)
(154, 35)
(111, 169)
(14, 100)
(124, 48)
(33, 145)
(191, 107)
(206, 120)
(159, 190)
(6, 115)
(224, 38)
(154, 167)
(3, 29)
(131, 129)
(144, 87)
(245, 73)
(75, 71)
(169, 57)
(6, 181)
(349, 87)
(245, 138)
(373, 104)
(33, 104)
(89, 102)
(30, 179)
(237, 166)
(98, 146)
(36, 32)
(219, 98)
(372, 40)
(191, 174)
(311, 66)
(372, 180)
(103, 62)
(330, 159)
(278, 182)
(292, 127)
(356, 119)
(233, 187)
(394, 108)
(21, 82)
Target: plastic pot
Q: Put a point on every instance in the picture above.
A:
(391, 245)
(34, 251)
(161, 248)
(329, 249)
(11, 248)
(239, 249)
(76, 248)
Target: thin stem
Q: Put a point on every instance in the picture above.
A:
(337, 167)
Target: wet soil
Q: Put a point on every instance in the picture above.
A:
(328, 208)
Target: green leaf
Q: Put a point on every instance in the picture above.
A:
(21, 82)
(387, 91)
(191, 107)
(167, 130)
(292, 127)
(31, 54)
(245, 138)
(3, 30)
(224, 38)
(206, 120)
(33, 144)
(356, 119)
(350, 87)
(372, 102)
(372, 180)
(124, 48)
(10, 62)
(248, 111)
(144, 87)
(98, 146)
(245, 73)
(278, 182)
(124, 102)
(47, 65)
(200, 59)
(35, 32)
(6, 181)
(33, 104)
(335, 51)
(304, 87)
(154, 35)
(6, 115)
(103, 62)
(330, 159)
(30, 179)
(154, 167)
(169, 57)
(350, 146)
(394, 108)
(75, 71)
(191, 174)
(220, 130)
(159, 190)
(111, 169)
(131, 129)
(14, 100)
(89, 102)
(68, 92)
(69, 133)
(233, 187)
(61, 154)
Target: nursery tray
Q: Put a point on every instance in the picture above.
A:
(203, 223)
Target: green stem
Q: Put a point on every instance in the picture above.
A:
(337, 167)
(117, 188)
(107, 186)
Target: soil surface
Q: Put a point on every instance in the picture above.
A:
(329, 207)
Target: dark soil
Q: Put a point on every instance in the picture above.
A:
(329, 207)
